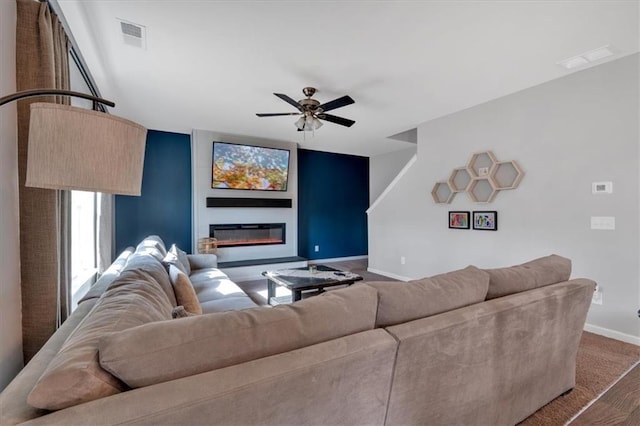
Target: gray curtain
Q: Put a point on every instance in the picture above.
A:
(41, 62)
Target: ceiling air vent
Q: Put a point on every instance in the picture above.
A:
(133, 34)
(586, 57)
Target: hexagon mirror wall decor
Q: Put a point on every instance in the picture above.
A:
(482, 178)
(460, 179)
(442, 193)
(507, 175)
(481, 163)
(482, 190)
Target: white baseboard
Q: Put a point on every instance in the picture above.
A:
(628, 338)
(389, 274)
(338, 259)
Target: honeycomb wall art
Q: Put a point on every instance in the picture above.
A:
(482, 178)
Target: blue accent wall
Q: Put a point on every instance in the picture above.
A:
(333, 196)
(164, 208)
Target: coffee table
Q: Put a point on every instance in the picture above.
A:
(301, 279)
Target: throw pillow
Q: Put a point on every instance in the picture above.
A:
(527, 276)
(163, 351)
(402, 302)
(179, 258)
(180, 312)
(185, 293)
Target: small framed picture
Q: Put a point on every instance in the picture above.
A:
(459, 220)
(485, 221)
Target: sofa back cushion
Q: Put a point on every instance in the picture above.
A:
(527, 276)
(74, 375)
(402, 302)
(151, 269)
(152, 245)
(162, 351)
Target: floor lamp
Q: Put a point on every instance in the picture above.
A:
(79, 149)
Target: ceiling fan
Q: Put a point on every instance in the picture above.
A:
(312, 111)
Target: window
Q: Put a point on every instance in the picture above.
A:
(84, 213)
(84, 264)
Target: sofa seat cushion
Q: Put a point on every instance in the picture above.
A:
(214, 286)
(527, 276)
(202, 277)
(234, 303)
(217, 293)
(74, 375)
(400, 302)
(163, 351)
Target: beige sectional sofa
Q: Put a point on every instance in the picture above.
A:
(467, 347)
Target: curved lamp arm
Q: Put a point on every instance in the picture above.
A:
(43, 92)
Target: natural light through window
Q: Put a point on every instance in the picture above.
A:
(83, 241)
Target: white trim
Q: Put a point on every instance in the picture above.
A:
(389, 274)
(628, 338)
(393, 183)
(194, 208)
(338, 259)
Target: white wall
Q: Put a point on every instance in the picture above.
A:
(201, 152)
(10, 302)
(565, 134)
(384, 168)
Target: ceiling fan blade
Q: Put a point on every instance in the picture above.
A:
(288, 100)
(335, 119)
(275, 114)
(337, 103)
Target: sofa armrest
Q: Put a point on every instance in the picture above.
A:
(13, 399)
(202, 261)
(341, 381)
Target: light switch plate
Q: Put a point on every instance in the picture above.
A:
(605, 223)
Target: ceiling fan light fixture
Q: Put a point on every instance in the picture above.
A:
(308, 121)
(311, 111)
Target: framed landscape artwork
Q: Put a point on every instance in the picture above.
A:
(459, 220)
(485, 220)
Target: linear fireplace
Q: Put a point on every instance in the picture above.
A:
(248, 234)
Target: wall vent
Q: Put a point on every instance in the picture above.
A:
(133, 34)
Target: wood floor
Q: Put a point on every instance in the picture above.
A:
(620, 405)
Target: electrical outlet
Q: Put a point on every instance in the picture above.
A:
(483, 171)
(597, 296)
(403, 260)
(316, 248)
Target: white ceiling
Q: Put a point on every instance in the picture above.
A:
(213, 64)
